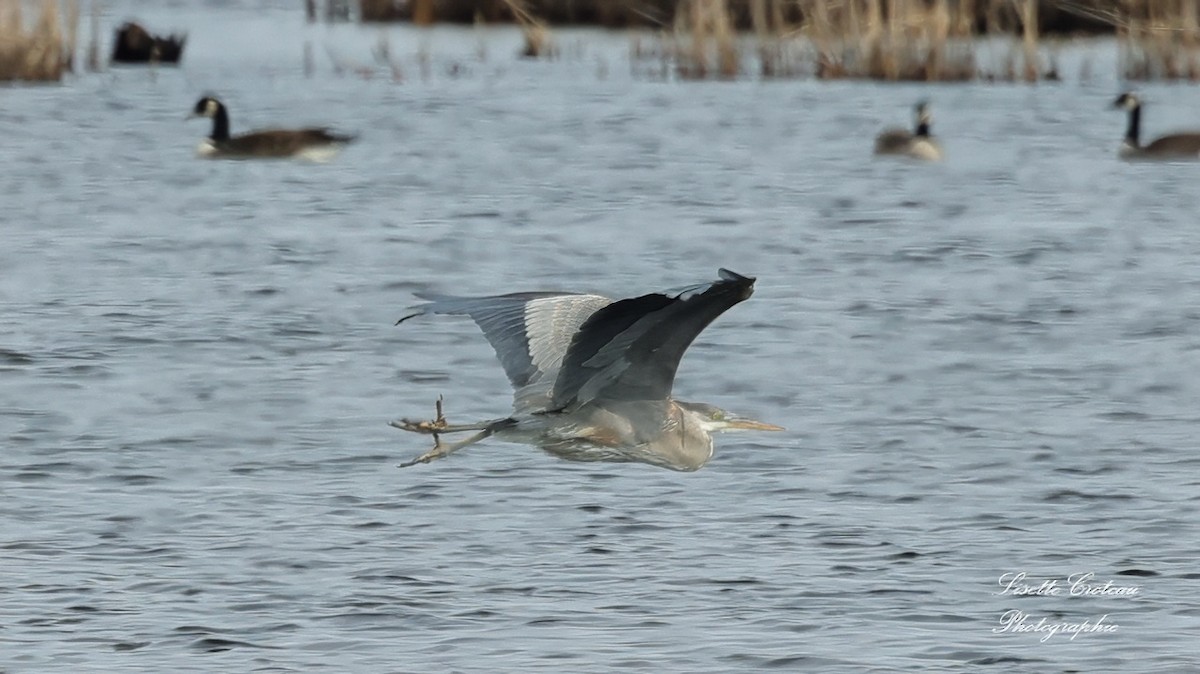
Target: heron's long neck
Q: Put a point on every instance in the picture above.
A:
(1135, 124)
(690, 446)
(220, 129)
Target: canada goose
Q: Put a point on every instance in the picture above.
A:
(919, 144)
(1174, 146)
(316, 144)
(134, 44)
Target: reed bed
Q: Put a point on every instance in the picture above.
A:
(1160, 39)
(42, 52)
(913, 40)
(703, 43)
(892, 39)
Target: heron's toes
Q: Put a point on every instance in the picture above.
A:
(437, 452)
(419, 426)
(424, 458)
(437, 425)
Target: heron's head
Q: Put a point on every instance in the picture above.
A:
(1127, 100)
(712, 418)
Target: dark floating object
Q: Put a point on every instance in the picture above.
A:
(134, 44)
(316, 144)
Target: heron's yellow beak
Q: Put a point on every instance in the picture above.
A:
(751, 425)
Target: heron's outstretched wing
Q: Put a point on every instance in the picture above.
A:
(530, 333)
(630, 349)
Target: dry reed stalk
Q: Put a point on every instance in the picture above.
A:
(383, 55)
(889, 57)
(41, 53)
(768, 54)
(699, 24)
(423, 12)
(871, 44)
(1191, 36)
(939, 35)
(538, 41)
(72, 33)
(966, 18)
(93, 49)
(725, 38)
(825, 38)
(774, 57)
(1029, 32)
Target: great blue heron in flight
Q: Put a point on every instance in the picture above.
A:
(593, 376)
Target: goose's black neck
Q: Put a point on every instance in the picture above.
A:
(1135, 123)
(220, 129)
(922, 129)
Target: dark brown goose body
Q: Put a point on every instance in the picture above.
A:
(312, 143)
(1174, 147)
(278, 143)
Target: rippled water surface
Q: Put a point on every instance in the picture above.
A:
(986, 367)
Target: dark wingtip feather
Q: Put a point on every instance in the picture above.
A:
(730, 275)
(405, 318)
(744, 283)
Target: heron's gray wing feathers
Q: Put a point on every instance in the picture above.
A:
(530, 333)
(630, 349)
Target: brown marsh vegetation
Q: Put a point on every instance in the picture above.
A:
(919, 40)
(916, 40)
(1160, 39)
(40, 51)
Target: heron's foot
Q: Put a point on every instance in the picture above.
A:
(427, 427)
(439, 450)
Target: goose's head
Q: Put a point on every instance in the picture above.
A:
(1127, 101)
(924, 113)
(207, 107)
(924, 119)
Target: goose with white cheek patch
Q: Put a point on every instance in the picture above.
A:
(1175, 147)
(315, 144)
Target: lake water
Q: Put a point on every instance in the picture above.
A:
(987, 367)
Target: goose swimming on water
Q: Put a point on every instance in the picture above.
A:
(317, 144)
(1175, 146)
(919, 144)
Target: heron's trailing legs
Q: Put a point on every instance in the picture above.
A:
(439, 449)
(439, 426)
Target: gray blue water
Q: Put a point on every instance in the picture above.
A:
(986, 367)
